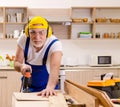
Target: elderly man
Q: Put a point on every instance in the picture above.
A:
(39, 51)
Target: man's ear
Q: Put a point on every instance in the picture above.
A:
(49, 31)
(26, 30)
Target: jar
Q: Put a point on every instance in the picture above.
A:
(97, 35)
(112, 35)
(118, 35)
(106, 35)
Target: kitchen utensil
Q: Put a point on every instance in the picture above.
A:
(16, 33)
(19, 17)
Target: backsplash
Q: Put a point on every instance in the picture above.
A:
(75, 52)
(7, 47)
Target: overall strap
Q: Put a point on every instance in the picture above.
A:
(26, 48)
(47, 51)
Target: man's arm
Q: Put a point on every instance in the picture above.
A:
(19, 61)
(55, 61)
(19, 58)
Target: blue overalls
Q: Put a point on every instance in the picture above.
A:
(39, 72)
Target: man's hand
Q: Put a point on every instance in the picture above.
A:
(47, 92)
(25, 67)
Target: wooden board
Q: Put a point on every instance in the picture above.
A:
(32, 100)
(80, 95)
(29, 97)
(74, 90)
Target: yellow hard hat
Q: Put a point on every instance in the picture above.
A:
(36, 23)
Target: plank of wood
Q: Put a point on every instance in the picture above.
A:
(103, 98)
(57, 101)
(29, 103)
(80, 95)
(29, 97)
(32, 100)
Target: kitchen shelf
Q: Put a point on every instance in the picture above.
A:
(100, 19)
(66, 23)
(11, 19)
(59, 20)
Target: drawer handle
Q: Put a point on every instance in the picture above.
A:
(4, 77)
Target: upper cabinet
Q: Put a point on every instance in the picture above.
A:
(12, 21)
(95, 22)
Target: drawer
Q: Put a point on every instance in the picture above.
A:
(3, 75)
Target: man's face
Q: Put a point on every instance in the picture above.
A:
(38, 37)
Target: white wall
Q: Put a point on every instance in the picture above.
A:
(58, 3)
(95, 3)
(37, 3)
(75, 52)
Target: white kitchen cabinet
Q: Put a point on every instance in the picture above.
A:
(9, 82)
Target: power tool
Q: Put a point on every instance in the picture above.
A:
(27, 81)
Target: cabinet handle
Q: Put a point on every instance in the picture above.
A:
(3, 77)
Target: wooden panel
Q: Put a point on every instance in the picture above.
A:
(14, 83)
(23, 100)
(80, 95)
(3, 89)
(82, 76)
(74, 89)
(48, 12)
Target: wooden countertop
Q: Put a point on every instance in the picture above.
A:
(7, 68)
(87, 67)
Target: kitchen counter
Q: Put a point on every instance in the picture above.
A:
(83, 74)
(6, 68)
(88, 67)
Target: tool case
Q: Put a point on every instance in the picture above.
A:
(111, 86)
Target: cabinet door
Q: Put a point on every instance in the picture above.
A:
(3, 89)
(14, 84)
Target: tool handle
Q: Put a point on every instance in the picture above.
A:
(28, 73)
